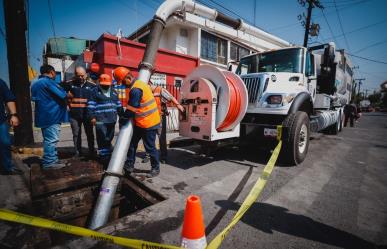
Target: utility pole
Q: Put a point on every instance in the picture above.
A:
(358, 90)
(16, 26)
(311, 5)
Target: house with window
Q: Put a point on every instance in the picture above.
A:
(62, 52)
(214, 43)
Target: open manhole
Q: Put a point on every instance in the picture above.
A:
(68, 195)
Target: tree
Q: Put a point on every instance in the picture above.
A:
(375, 98)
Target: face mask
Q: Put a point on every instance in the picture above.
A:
(79, 79)
(105, 87)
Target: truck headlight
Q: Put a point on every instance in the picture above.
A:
(274, 99)
(287, 99)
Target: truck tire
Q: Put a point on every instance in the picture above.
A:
(296, 143)
(336, 127)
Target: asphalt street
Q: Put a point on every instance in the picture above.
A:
(337, 198)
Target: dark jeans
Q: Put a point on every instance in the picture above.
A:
(50, 139)
(148, 138)
(351, 119)
(76, 127)
(105, 134)
(162, 135)
(5, 148)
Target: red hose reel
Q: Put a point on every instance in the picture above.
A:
(231, 95)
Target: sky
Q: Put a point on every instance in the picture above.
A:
(358, 26)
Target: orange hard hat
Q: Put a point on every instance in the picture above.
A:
(120, 73)
(94, 67)
(105, 80)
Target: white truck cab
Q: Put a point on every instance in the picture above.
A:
(304, 89)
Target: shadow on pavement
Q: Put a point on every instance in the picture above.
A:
(269, 218)
(249, 156)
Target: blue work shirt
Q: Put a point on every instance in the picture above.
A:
(103, 108)
(5, 97)
(50, 102)
(135, 96)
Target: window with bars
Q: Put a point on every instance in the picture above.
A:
(237, 52)
(213, 48)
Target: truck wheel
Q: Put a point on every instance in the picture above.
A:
(336, 127)
(296, 144)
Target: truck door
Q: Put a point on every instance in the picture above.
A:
(310, 73)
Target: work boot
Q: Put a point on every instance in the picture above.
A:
(56, 165)
(129, 168)
(146, 158)
(14, 171)
(91, 155)
(153, 173)
(77, 155)
(65, 162)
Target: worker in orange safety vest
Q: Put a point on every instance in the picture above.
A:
(143, 109)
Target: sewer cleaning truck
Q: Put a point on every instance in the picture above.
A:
(303, 89)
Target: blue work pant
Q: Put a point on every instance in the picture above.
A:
(50, 140)
(148, 138)
(105, 134)
(5, 148)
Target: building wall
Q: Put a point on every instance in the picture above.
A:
(61, 66)
(184, 36)
(181, 39)
(186, 39)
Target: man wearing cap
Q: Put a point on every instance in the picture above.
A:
(103, 108)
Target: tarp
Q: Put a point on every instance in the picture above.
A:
(32, 74)
(66, 46)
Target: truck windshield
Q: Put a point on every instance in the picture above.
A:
(287, 60)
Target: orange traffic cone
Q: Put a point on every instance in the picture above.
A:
(193, 235)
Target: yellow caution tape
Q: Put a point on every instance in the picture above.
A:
(252, 196)
(9, 215)
(12, 216)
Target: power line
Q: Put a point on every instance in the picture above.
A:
(341, 27)
(367, 59)
(214, 4)
(344, 5)
(370, 46)
(52, 23)
(329, 26)
(342, 31)
(358, 29)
